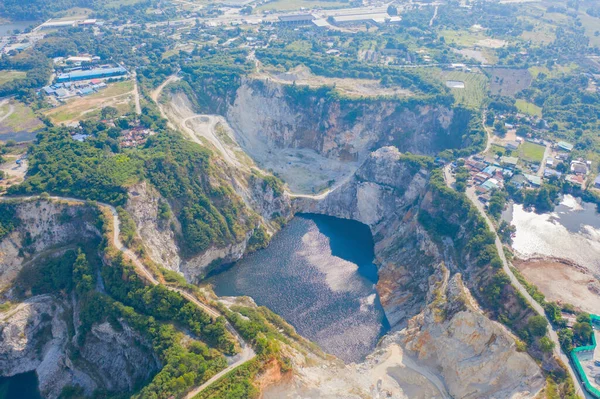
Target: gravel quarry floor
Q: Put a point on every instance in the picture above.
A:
(563, 281)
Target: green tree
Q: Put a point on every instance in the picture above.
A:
(583, 332)
(546, 345)
(537, 325)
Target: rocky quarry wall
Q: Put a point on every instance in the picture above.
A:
(285, 116)
(38, 334)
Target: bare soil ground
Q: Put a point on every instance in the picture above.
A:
(14, 174)
(563, 281)
(507, 82)
(351, 87)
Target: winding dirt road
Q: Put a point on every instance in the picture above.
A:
(246, 354)
(11, 110)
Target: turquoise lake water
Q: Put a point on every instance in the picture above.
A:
(318, 274)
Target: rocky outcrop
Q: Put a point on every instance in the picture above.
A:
(160, 236)
(448, 350)
(35, 335)
(44, 225)
(157, 234)
(475, 356)
(384, 194)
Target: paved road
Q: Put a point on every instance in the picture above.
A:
(547, 153)
(136, 89)
(472, 196)
(246, 354)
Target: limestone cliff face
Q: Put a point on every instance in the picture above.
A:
(283, 116)
(384, 194)
(160, 236)
(35, 335)
(43, 225)
(475, 356)
(450, 349)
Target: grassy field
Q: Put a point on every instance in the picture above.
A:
(21, 120)
(531, 152)
(495, 149)
(528, 108)
(591, 25)
(556, 71)
(9, 76)
(289, 5)
(463, 38)
(118, 95)
(475, 90)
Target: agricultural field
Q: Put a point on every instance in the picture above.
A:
(507, 82)
(290, 5)
(17, 122)
(531, 152)
(119, 95)
(475, 88)
(9, 76)
(528, 108)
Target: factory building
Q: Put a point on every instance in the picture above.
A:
(91, 74)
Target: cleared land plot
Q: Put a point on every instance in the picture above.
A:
(561, 281)
(591, 25)
(528, 108)
(542, 32)
(507, 82)
(288, 5)
(119, 95)
(9, 76)
(18, 122)
(347, 86)
(473, 91)
(531, 152)
(463, 38)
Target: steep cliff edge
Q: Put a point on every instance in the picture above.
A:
(39, 326)
(385, 194)
(315, 137)
(448, 350)
(37, 335)
(41, 227)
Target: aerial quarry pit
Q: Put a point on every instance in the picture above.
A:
(299, 199)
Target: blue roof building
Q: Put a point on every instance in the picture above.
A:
(91, 74)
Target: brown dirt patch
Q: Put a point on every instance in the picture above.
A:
(563, 281)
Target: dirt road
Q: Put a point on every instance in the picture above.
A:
(247, 352)
(472, 196)
(11, 110)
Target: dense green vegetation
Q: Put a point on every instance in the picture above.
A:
(39, 10)
(209, 215)
(97, 169)
(216, 78)
(87, 170)
(572, 112)
(124, 285)
(8, 219)
(38, 70)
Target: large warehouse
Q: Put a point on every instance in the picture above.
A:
(91, 74)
